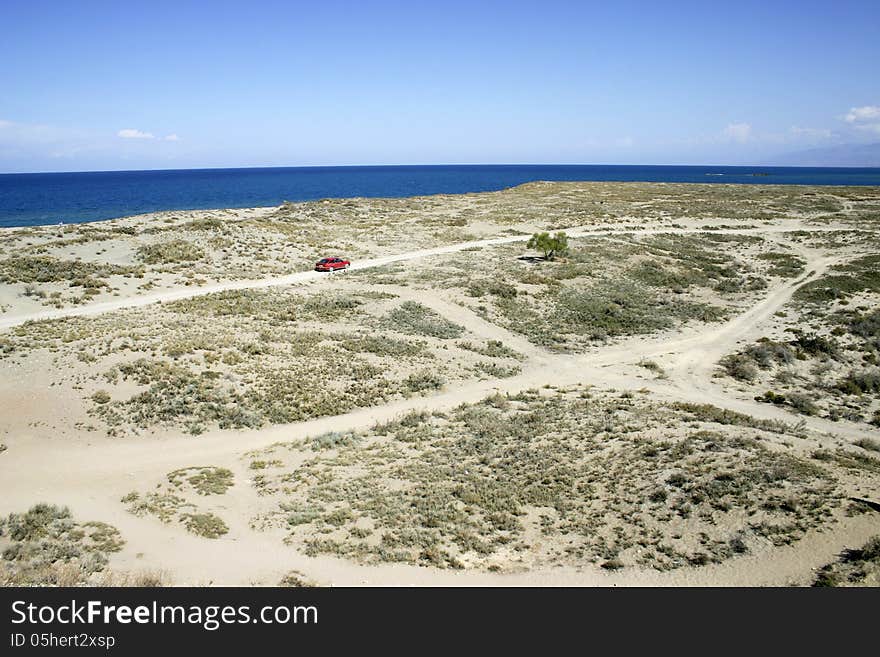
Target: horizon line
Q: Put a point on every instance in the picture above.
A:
(389, 166)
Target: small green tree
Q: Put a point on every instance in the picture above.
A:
(551, 246)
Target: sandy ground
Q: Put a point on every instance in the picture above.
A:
(14, 317)
(90, 473)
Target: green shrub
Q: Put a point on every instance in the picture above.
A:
(324, 307)
(784, 265)
(381, 346)
(40, 521)
(47, 547)
(173, 251)
(868, 444)
(414, 318)
(550, 246)
(802, 403)
(101, 397)
(866, 326)
(710, 413)
(651, 366)
(859, 383)
(423, 380)
(811, 344)
(206, 525)
(767, 352)
(740, 367)
(492, 349)
(165, 506)
(771, 398)
(204, 480)
(655, 274)
(205, 223)
(334, 439)
(295, 579)
(854, 567)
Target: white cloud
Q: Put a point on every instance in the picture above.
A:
(132, 133)
(862, 114)
(865, 118)
(5, 124)
(740, 132)
(172, 137)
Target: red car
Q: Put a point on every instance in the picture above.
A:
(332, 264)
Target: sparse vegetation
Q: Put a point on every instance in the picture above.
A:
(829, 371)
(169, 502)
(101, 397)
(296, 579)
(170, 252)
(468, 489)
(204, 480)
(31, 269)
(859, 275)
(163, 505)
(868, 444)
(45, 546)
(415, 319)
(785, 265)
(46, 269)
(740, 367)
(854, 567)
(423, 380)
(652, 366)
(492, 349)
(716, 415)
(206, 525)
(849, 460)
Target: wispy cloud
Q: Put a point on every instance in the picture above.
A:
(866, 118)
(34, 133)
(132, 133)
(740, 132)
(816, 133)
(35, 146)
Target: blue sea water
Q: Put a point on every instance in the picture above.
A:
(29, 199)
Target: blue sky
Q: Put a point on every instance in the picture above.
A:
(128, 85)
